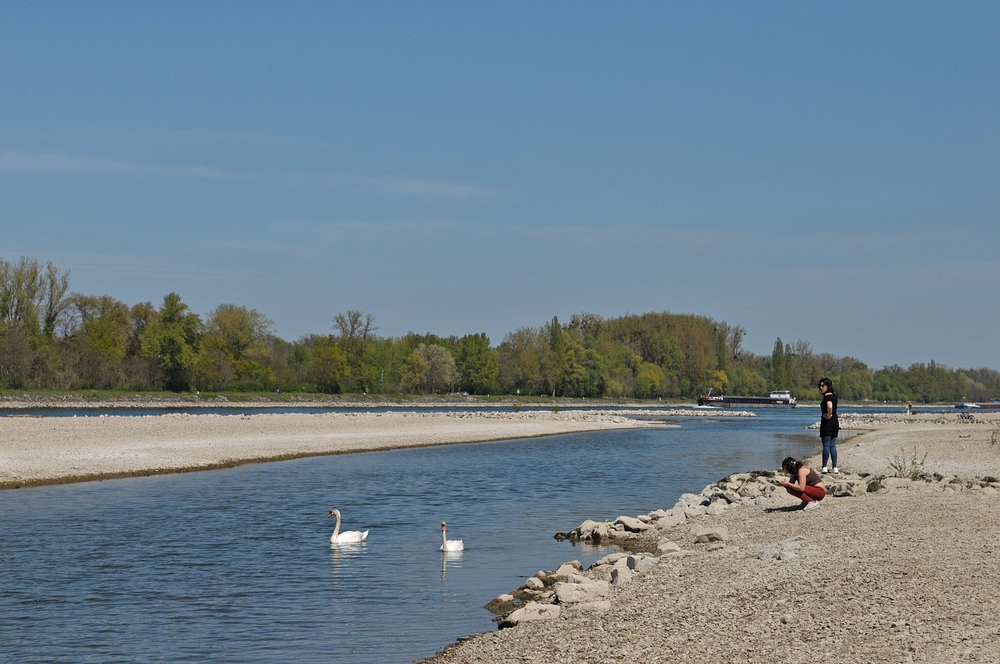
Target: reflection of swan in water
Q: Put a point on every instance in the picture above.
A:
(346, 537)
(447, 544)
(446, 557)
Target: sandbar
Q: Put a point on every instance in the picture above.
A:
(48, 450)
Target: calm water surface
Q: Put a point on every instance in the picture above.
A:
(236, 564)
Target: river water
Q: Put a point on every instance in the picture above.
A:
(236, 564)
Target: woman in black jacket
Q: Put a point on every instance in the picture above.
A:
(829, 426)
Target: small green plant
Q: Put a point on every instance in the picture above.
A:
(909, 466)
(555, 409)
(517, 407)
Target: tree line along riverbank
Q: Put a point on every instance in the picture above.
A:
(55, 339)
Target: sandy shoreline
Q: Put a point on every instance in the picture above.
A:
(909, 572)
(51, 450)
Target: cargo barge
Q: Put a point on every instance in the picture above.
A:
(777, 399)
(992, 405)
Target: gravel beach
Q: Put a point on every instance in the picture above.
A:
(902, 571)
(46, 450)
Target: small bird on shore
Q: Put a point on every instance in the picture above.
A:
(346, 537)
(447, 544)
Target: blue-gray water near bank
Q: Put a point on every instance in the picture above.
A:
(236, 564)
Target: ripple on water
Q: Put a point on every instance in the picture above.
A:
(237, 563)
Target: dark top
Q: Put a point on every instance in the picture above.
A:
(812, 479)
(830, 427)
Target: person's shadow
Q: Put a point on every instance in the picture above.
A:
(786, 508)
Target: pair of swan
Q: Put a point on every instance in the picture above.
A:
(355, 536)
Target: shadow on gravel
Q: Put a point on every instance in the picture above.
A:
(786, 508)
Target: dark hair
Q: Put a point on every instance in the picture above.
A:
(826, 381)
(791, 465)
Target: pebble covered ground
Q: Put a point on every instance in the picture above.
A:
(907, 573)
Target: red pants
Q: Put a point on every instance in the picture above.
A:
(810, 494)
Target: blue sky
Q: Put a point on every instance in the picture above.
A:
(809, 171)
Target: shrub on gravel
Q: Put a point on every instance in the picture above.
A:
(908, 466)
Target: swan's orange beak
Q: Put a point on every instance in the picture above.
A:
(329, 515)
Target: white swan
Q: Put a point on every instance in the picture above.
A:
(447, 544)
(346, 537)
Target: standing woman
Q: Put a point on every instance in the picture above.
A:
(829, 425)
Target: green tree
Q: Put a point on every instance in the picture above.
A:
(779, 367)
(477, 363)
(415, 371)
(171, 342)
(328, 367)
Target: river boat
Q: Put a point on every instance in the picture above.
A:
(777, 399)
(992, 405)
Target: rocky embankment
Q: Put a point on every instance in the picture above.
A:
(891, 569)
(659, 535)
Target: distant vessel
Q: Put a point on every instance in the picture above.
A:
(992, 405)
(778, 399)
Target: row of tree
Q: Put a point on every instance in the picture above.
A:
(51, 338)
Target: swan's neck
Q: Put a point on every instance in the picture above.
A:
(336, 529)
(444, 538)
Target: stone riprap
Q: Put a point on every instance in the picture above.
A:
(890, 569)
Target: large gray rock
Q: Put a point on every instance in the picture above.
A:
(897, 482)
(610, 559)
(526, 595)
(533, 583)
(578, 578)
(750, 491)
(705, 534)
(694, 512)
(632, 525)
(501, 604)
(670, 520)
(731, 496)
(601, 572)
(716, 508)
(530, 612)
(692, 500)
(574, 593)
(665, 545)
(567, 569)
(620, 575)
(640, 564)
(586, 528)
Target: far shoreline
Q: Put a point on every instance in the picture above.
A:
(18, 399)
(38, 451)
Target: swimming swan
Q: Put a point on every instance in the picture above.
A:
(346, 537)
(447, 544)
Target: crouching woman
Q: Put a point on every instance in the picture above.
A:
(804, 483)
